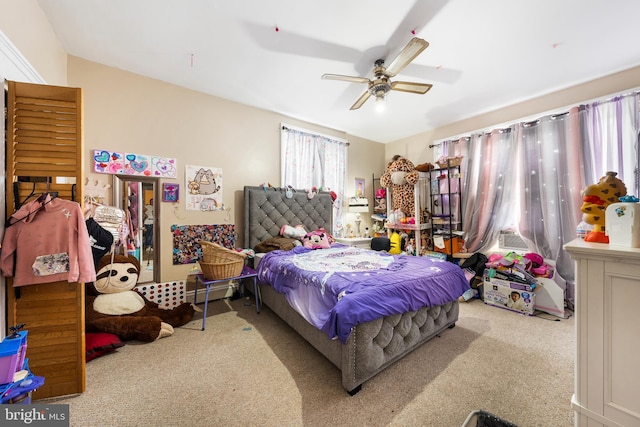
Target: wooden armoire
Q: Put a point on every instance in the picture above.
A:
(44, 154)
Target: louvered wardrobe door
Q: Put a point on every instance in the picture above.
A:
(44, 153)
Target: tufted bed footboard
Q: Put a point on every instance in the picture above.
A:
(372, 346)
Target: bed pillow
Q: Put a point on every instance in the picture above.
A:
(100, 343)
(296, 232)
(276, 243)
(318, 239)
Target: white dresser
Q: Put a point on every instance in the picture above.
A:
(607, 310)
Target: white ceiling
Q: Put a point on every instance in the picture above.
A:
(270, 54)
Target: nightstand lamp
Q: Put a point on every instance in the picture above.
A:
(358, 205)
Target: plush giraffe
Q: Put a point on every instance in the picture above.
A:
(401, 176)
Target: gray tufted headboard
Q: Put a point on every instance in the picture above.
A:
(266, 210)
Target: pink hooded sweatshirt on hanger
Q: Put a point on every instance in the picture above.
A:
(47, 241)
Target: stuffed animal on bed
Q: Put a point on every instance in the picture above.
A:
(113, 306)
(401, 176)
(292, 232)
(318, 239)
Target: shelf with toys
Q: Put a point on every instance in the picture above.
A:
(415, 225)
(445, 202)
(379, 215)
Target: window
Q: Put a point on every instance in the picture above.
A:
(310, 160)
(530, 176)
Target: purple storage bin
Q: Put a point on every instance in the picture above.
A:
(12, 353)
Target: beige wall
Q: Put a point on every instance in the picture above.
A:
(416, 147)
(129, 113)
(25, 25)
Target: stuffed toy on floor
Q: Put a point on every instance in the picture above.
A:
(113, 306)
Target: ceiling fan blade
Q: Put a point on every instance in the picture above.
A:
(345, 78)
(407, 54)
(361, 100)
(412, 87)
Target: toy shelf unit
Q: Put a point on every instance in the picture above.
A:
(379, 215)
(446, 208)
(417, 226)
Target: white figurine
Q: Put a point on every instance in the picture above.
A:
(350, 233)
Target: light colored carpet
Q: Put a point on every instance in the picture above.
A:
(249, 369)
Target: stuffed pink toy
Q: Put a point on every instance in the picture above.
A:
(318, 239)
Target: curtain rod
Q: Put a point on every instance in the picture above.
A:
(311, 133)
(555, 114)
(455, 141)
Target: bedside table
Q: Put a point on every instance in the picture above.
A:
(359, 242)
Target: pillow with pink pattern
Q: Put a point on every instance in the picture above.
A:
(318, 239)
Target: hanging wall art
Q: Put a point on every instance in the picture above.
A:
(186, 240)
(163, 167)
(137, 164)
(204, 188)
(170, 192)
(110, 162)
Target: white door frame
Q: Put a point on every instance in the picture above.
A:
(15, 67)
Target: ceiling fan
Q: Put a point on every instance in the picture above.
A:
(381, 84)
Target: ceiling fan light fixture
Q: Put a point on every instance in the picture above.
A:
(380, 85)
(381, 103)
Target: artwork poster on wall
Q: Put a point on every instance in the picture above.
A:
(186, 240)
(114, 163)
(204, 188)
(170, 192)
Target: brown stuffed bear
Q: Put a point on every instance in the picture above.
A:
(113, 306)
(401, 176)
(425, 167)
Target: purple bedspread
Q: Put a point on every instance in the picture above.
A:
(336, 289)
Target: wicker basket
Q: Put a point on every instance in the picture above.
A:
(219, 262)
(447, 162)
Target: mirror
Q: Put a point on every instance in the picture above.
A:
(137, 196)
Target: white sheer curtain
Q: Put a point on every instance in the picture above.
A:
(610, 133)
(531, 175)
(550, 187)
(490, 175)
(312, 160)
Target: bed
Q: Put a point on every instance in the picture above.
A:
(361, 343)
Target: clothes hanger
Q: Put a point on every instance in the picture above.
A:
(41, 200)
(90, 204)
(17, 202)
(44, 195)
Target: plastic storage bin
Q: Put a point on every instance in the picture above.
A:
(12, 352)
(21, 392)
